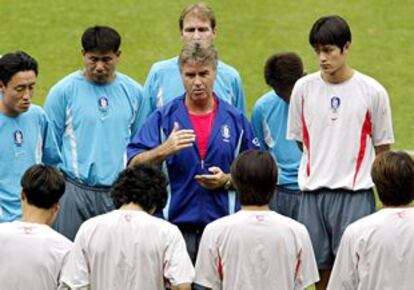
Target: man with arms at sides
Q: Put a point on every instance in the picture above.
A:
(197, 24)
(195, 138)
(255, 248)
(376, 252)
(32, 254)
(269, 121)
(25, 133)
(129, 248)
(342, 118)
(93, 112)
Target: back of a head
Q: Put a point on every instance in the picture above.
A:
(199, 10)
(101, 39)
(199, 54)
(43, 185)
(330, 30)
(393, 175)
(14, 62)
(254, 175)
(282, 70)
(143, 185)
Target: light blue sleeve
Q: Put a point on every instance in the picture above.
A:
(51, 152)
(257, 124)
(139, 120)
(55, 107)
(148, 104)
(238, 94)
(250, 141)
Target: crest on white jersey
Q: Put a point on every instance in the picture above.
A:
(335, 103)
(18, 137)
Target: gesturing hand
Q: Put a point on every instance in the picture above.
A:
(178, 140)
(212, 181)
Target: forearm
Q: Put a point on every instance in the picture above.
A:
(154, 156)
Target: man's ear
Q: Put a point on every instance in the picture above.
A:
(24, 197)
(347, 46)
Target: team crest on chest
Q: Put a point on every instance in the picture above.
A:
(335, 104)
(103, 104)
(225, 133)
(18, 137)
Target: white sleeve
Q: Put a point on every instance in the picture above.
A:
(344, 273)
(306, 268)
(178, 267)
(76, 271)
(294, 129)
(208, 263)
(382, 132)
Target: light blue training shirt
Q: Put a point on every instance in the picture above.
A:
(93, 124)
(25, 140)
(269, 121)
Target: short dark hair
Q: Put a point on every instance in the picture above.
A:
(393, 175)
(142, 184)
(101, 39)
(200, 10)
(254, 175)
(198, 53)
(330, 30)
(43, 185)
(281, 72)
(14, 62)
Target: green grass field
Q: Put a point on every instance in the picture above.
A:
(248, 32)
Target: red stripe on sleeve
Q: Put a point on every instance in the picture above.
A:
(220, 268)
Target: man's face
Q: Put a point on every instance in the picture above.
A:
(18, 93)
(331, 59)
(197, 30)
(198, 81)
(100, 66)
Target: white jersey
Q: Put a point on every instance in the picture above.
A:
(339, 125)
(31, 256)
(376, 252)
(255, 250)
(127, 249)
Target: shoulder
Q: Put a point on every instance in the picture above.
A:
(128, 81)
(312, 78)
(68, 81)
(35, 112)
(171, 107)
(230, 110)
(36, 109)
(227, 70)
(223, 223)
(164, 65)
(58, 238)
(368, 82)
(266, 100)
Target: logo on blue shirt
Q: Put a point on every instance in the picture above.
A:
(18, 137)
(103, 104)
(225, 133)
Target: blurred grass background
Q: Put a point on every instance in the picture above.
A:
(248, 32)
